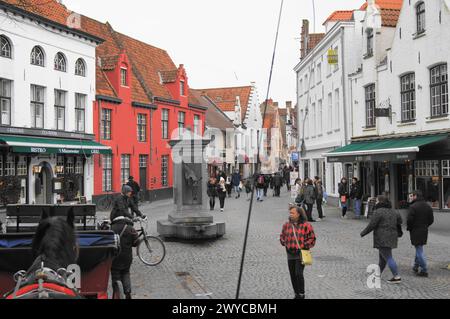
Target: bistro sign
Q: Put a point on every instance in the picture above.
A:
(44, 150)
(373, 158)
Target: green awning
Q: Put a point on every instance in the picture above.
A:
(41, 145)
(386, 149)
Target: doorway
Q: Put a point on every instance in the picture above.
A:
(43, 185)
(143, 164)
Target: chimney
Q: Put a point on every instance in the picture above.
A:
(304, 39)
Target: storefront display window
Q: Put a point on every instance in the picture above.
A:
(22, 166)
(428, 181)
(10, 168)
(70, 165)
(79, 166)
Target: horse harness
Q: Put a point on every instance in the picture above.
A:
(44, 283)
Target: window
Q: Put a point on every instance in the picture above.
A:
(319, 72)
(70, 165)
(336, 65)
(37, 106)
(313, 119)
(124, 77)
(10, 167)
(5, 47)
(182, 88)
(306, 169)
(60, 62)
(370, 106)
(37, 56)
(60, 110)
(80, 67)
(330, 112)
(143, 161)
(124, 168)
(428, 181)
(165, 170)
(142, 127)
(320, 118)
(22, 166)
(439, 91)
(60, 163)
(408, 96)
(106, 124)
(337, 109)
(300, 87)
(107, 173)
(79, 166)
(197, 129)
(80, 112)
(5, 102)
(313, 76)
(420, 17)
(165, 123)
(369, 42)
(181, 119)
(446, 183)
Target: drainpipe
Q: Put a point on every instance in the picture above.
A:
(344, 88)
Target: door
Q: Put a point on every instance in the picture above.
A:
(402, 186)
(43, 187)
(143, 164)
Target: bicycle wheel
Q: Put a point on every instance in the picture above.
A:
(104, 204)
(151, 251)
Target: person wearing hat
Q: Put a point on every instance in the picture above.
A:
(136, 189)
(122, 225)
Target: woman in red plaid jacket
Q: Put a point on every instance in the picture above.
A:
(304, 235)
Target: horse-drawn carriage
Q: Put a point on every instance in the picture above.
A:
(49, 248)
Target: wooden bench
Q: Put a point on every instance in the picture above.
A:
(26, 218)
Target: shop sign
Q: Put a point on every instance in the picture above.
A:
(333, 57)
(384, 109)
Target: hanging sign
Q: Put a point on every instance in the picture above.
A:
(333, 57)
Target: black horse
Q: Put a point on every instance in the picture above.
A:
(54, 248)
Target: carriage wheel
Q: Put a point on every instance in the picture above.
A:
(151, 251)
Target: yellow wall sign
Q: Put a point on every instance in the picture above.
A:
(333, 57)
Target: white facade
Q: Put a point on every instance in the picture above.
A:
(324, 117)
(24, 35)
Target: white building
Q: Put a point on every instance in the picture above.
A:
(400, 105)
(324, 119)
(47, 77)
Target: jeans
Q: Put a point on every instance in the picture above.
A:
(259, 193)
(357, 207)
(319, 208)
(344, 208)
(420, 260)
(387, 259)
(237, 190)
(296, 270)
(309, 210)
(122, 275)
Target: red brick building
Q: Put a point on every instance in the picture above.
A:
(142, 103)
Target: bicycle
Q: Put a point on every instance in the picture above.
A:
(150, 249)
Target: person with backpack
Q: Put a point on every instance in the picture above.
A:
(343, 196)
(420, 218)
(260, 181)
(310, 199)
(297, 235)
(356, 194)
(386, 225)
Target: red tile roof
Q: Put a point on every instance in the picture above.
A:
(386, 4)
(225, 98)
(103, 85)
(168, 76)
(214, 118)
(314, 39)
(390, 11)
(340, 15)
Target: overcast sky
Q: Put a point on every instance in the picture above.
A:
(220, 42)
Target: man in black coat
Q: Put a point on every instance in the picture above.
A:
(277, 183)
(356, 194)
(420, 218)
(136, 189)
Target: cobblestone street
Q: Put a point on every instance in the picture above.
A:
(341, 259)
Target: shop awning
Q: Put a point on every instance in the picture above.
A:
(41, 145)
(395, 149)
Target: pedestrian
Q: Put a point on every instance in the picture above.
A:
(260, 181)
(343, 196)
(122, 225)
(266, 184)
(248, 187)
(222, 193)
(297, 235)
(320, 191)
(228, 186)
(236, 183)
(420, 218)
(287, 177)
(277, 183)
(136, 189)
(356, 194)
(310, 199)
(386, 226)
(211, 187)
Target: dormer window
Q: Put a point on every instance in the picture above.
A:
(420, 17)
(124, 77)
(369, 42)
(182, 88)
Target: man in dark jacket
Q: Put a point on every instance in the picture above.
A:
(122, 225)
(287, 177)
(277, 183)
(136, 189)
(236, 182)
(356, 195)
(420, 218)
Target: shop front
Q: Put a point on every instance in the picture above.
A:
(38, 170)
(398, 166)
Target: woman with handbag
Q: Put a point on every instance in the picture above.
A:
(298, 237)
(386, 225)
